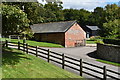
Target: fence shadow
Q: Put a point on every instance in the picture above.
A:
(11, 58)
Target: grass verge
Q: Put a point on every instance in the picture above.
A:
(108, 62)
(35, 43)
(90, 42)
(17, 64)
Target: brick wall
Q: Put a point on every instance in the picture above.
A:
(75, 35)
(57, 38)
(108, 52)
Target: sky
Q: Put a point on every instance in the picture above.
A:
(85, 4)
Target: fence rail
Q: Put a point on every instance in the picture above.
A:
(62, 59)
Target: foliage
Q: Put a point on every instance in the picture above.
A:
(112, 27)
(28, 33)
(107, 18)
(80, 15)
(112, 41)
(35, 12)
(111, 12)
(14, 20)
(54, 12)
(97, 17)
(99, 41)
(94, 38)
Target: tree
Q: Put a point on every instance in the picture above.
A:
(81, 15)
(97, 17)
(111, 12)
(54, 12)
(34, 10)
(14, 20)
(112, 28)
(83, 19)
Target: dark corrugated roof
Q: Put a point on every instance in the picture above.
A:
(93, 27)
(52, 27)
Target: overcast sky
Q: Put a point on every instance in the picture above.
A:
(86, 4)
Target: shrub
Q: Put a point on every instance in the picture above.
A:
(112, 41)
(99, 41)
(95, 38)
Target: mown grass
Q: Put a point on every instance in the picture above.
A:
(35, 43)
(17, 64)
(90, 42)
(108, 62)
(93, 41)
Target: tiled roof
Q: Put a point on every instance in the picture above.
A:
(93, 27)
(52, 27)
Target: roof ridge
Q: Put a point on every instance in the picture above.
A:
(70, 25)
(57, 22)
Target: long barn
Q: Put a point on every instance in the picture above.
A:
(67, 33)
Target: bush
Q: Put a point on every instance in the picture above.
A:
(94, 38)
(99, 41)
(112, 41)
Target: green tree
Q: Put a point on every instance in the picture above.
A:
(54, 12)
(81, 15)
(34, 10)
(111, 12)
(14, 20)
(97, 17)
(112, 28)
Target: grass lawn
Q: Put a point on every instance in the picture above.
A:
(17, 64)
(93, 41)
(90, 42)
(35, 43)
(108, 62)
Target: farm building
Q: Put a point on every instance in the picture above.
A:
(91, 31)
(67, 33)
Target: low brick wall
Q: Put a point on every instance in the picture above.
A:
(108, 52)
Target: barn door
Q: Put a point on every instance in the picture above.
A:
(79, 43)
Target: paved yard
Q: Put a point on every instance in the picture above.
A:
(79, 52)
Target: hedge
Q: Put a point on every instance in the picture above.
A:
(112, 41)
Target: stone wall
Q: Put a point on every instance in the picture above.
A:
(108, 52)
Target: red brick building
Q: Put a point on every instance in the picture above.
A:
(67, 33)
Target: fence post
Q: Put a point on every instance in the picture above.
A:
(24, 41)
(18, 45)
(27, 48)
(104, 73)
(36, 51)
(81, 67)
(6, 43)
(63, 61)
(48, 55)
(24, 47)
(84, 42)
